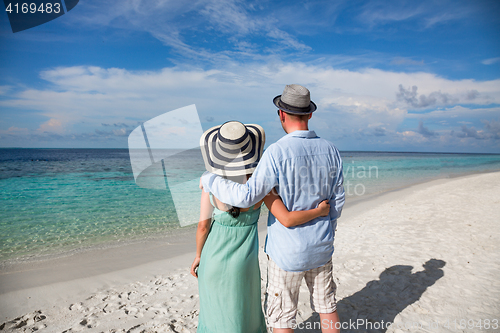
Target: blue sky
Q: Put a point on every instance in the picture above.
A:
(386, 75)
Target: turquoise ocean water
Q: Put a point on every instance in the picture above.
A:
(58, 200)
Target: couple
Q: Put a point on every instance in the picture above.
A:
(299, 178)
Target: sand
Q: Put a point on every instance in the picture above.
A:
(425, 259)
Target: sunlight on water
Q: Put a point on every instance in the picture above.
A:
(57, 200)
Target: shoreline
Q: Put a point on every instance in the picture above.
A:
(35, 286)
(181, 238)
(10, 263)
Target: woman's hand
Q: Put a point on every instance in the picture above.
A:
(194, 267)
(324, 208)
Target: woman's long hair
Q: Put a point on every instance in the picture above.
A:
(234, 211)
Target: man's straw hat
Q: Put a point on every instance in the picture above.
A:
(295, 99)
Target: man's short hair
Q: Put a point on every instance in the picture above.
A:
(298, 117)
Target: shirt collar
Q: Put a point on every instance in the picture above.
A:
(303, 134)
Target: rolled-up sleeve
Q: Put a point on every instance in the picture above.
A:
(338, 199)
(263, 180)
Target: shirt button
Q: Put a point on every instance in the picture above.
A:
(276, 294)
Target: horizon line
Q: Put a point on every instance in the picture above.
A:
(340, 150)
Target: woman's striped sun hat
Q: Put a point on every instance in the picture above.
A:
(232, 149)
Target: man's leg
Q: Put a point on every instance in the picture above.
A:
(322, 289)
(329, 322)
(282, 297)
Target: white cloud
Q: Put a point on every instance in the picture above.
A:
(459, 112)
(450, 15)
(5, 89)
(424, 131)
(377, 12)
(490, 61)
(492, 127)
(351, 104)
(230, 16)
(15, 130)
(52, 125)
(206, 30)
(426, 13)
(287, 40)
(409, 96)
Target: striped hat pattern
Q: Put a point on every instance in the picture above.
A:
(233, 148)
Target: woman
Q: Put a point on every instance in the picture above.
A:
(226, 262)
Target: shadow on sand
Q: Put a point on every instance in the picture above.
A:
(382, 299)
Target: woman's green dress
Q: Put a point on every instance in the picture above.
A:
(229, 276)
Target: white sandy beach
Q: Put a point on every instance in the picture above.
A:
(427, 256)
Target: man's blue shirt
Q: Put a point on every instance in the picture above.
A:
(305, 170)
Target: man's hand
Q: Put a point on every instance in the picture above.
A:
(324, 208)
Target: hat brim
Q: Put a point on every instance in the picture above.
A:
(221, 163)
(288, 109)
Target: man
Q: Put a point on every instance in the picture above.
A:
(304, 170)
